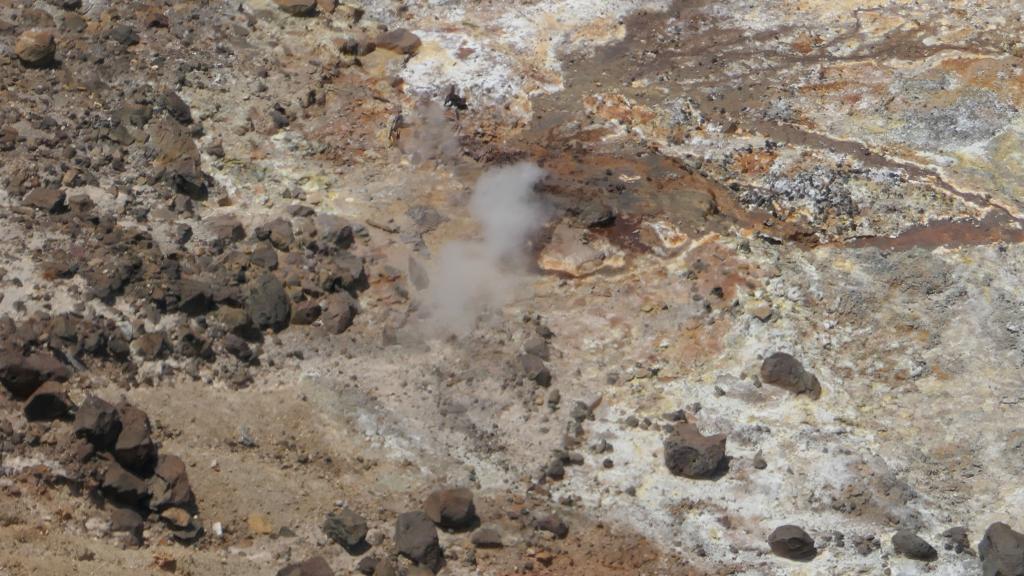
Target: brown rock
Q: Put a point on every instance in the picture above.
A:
(134, 448)
(122, 486)
(177, 157)
(785, 371)
(48, 402)
(169, 485)
(21, 375)
(268, 304)
(297, 7)
(98, 422)
(689, 453)
(128, 521)
(36, 48)
(399, 40)
(327, 6)
(305, 313)
(1001, 551)
(259, 524)
(486, 537)
(792, 542)
(49, 199)
(451, 508)
(341, 309)
(416, 539)
(552, 524)
(176, 517)
(225, 228)
(346, 528)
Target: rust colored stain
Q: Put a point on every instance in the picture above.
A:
(994, 228)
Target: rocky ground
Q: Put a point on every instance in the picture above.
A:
(653, 287)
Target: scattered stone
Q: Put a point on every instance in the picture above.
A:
(268, 304)
(689, 453)
(486, 537)
(1001, 551)
(416, 539)
(552, 524)
(759, 461)
(340, 312)
(911, 545)
(48, 402)
(315, 566)
(451, 508)
(36, 48)
(297, 7)
(305, 313)
(793, 543)
(22, 375)
(98, 422)
(134, 448)
(399, 40)
(176, 107)
(533, 368)
(785, 371)
(225, 228)
(346, 528)
(957, 539)
(48, 199)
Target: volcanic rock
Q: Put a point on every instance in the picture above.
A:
(177, 157)
(451, 508)
(534, 369)
(416, 539)
(689, 453)
(553, 524)
(341, 310)
(48, 402)
(169, 485)
(22, 375)
(122, 486)
(268, 304)
(134, 448)
(129, 522)
(911, 545)
(346, 528)
(36, 48)
(48, 199)
(399, 40)
(792, 542)
(1001, 551)
(297, 7)
(176, 107)
(97, 421)
(486, 537)
(785, 371)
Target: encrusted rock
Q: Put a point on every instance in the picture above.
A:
(689, 453)
(792, 542)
